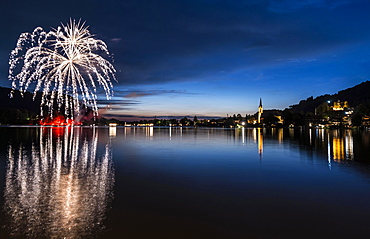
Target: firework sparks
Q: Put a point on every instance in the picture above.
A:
(66, 64)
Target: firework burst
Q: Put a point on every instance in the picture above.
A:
(66, 64)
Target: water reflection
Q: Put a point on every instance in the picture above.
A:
(260, 141)
(338, 145)
(342, 146)
(60, 186)
(112, 131)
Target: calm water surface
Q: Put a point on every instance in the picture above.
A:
(184, 183)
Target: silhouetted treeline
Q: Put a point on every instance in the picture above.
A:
(19, 102)
(359, 94)
(26, 109)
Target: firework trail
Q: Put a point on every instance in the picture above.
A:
(66, 64)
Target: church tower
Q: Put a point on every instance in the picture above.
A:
(260, 111)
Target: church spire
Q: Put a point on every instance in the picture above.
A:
(260, 111)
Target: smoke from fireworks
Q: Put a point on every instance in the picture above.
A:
(66, 64)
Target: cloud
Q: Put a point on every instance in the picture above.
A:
(208, 37)
(118, 102)
(284, 6)
(257, 45)
(137, 94)
(156, 42)
(110, 106)
(115, 40)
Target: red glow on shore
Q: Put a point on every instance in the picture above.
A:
(58, 121)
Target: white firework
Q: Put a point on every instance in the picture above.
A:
(65, 64)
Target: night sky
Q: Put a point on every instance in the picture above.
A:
(210, 57)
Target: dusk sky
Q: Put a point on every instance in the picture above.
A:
(210, 57)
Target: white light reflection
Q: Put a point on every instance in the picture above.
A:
(349, 146)
(58, 187)
(255, 135)
(149, 132)
(112, 132)
(280, 135)
(243, 135)
(329, 152)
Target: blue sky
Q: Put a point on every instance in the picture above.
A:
(210, 58)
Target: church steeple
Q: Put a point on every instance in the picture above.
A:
(260, 111)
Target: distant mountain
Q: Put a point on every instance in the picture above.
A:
(25, 110)
(18, 109)
(355, 96)
(18, 102)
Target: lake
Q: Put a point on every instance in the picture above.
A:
(123, 182)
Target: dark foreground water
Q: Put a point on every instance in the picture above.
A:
(184, 183)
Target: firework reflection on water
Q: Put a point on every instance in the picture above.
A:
(60, 188)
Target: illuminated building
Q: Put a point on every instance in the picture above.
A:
(339, 106)
(281, 121)
(366, 121)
